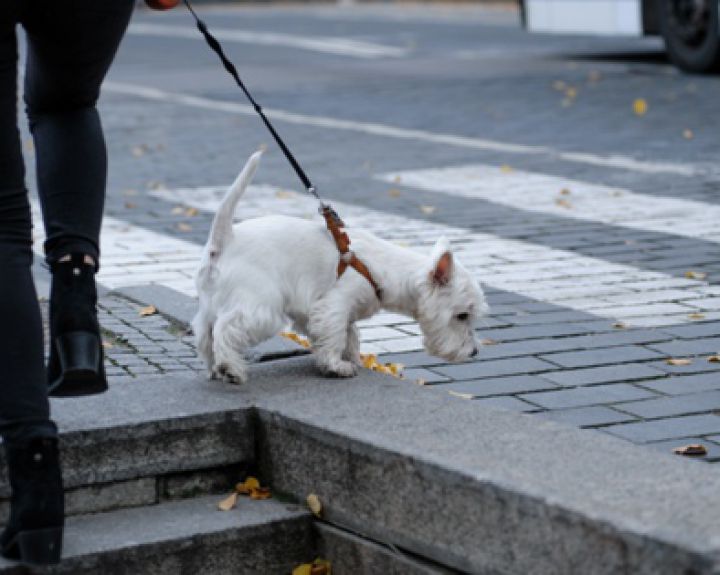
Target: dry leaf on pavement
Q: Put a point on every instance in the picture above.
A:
(247, 486)
(696, 315)
(394, 193)
(228, 503)
(693, 275)
(317, 567)
(678, 361)
(148, 310)
(563, 203)
(313, 502)
(506, 169)
(427, 209)
(619, 325)
(640, 107)
(692, 449)
(190, 212)
(714, 358)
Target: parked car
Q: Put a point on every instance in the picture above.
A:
(690, 28)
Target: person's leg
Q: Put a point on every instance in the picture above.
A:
(24, 409)
(35, 527)
(70, 48)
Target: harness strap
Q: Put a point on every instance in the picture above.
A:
(347, 257)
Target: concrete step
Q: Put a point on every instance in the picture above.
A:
(190, 536)
(145, 441)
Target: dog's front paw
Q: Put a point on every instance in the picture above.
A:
(341, 369)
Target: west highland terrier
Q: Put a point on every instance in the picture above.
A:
(259, 276)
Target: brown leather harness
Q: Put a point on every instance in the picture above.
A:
(347, 257)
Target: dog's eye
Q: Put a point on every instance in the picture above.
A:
(462, 316)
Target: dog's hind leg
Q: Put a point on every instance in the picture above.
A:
(230, 341)
(203, 331)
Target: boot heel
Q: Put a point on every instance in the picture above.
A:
(41, 546)
(81, 371)
(79, 353)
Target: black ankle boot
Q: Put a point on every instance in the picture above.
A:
(76, 353)
(37, 510)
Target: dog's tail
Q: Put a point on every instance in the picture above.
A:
(221, 231)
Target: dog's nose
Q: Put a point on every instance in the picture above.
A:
(474, 352)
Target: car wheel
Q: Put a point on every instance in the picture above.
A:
(692, 34)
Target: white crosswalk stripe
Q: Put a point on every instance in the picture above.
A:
(569, 198)
(555, 276)
(327, 44)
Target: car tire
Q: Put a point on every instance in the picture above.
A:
(692, 35)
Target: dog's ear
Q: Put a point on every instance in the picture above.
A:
(442, 262)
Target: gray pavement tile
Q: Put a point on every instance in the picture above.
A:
(509, 403)
(521, 348)
(415, 373)
(583, 396)
(562, 315)
(698, 365)
(539, 331)
(688, 347)
(602, 356)
(494, 368)
(684, 384)
(499, 385)
(674, 427)
(412, 359)
(587, 416)
(604, 374)
(676, 405)
(713, 450)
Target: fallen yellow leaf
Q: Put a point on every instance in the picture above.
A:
(303, 569)
(247, 486)
(696, 315)
(693, 275)
(148, 310)
(228, 503)
(394, 193)
(190, 212)
(260, 493)
(714, 358)
(296, 338)
(640, 107)
(313, 502)
(317, 567)
(692, 449)
(506, 169)
(427, 209)
(177, 210)
(619, 325)
(678, 361)
(565, 192)
(571, 93)
(563, 203)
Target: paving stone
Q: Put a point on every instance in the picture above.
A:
(698, 365)
(688, 347)
(604, 374)
(500, 385)
(582, 396)
(414, 374)
(549, 317)
(509, 403)
(684, 384)
(713, 450)
(688, 426)
(587, 416)
(538, 331)
(413, 359)
(694, 330)
(494, 368)
(677, 405)
(603, 356)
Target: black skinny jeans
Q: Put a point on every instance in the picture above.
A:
(70, 46)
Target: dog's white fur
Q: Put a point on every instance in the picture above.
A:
(260, 275)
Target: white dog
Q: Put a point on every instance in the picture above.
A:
(260, 275)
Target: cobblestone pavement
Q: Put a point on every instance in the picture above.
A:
(593, 230)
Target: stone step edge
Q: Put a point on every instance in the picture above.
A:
(189, 536)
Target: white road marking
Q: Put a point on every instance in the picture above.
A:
(554, 276)
(568, 198)
(326, 44)
(384, 130)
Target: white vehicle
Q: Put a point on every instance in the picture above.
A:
(690, 27)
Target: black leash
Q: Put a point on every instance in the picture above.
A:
(229, 66)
